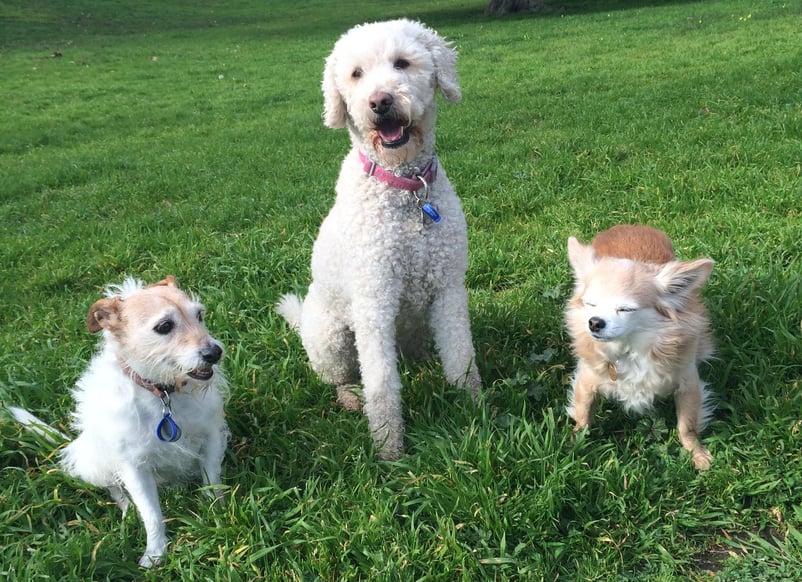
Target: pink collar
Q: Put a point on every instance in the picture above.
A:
(413, 184)
(158, 390)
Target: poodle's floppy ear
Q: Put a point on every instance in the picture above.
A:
(445, 64)
(104, 314)
(334, 111)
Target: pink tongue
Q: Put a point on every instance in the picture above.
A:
(391, 133)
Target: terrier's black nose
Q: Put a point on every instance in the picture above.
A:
(596, 324)
(211, 353)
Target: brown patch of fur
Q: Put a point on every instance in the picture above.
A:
(168, 281)
(103, 314)
(637, 242)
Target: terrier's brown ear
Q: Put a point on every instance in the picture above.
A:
(104, 314)
(168, 281)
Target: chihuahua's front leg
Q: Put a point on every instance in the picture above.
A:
(581, 398)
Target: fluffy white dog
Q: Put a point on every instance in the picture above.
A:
(388, 266)
(149, 409)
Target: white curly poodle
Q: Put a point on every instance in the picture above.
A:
(388, 266)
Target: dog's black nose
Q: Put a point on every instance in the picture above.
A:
(380, 102)
(596, 324)
(212, 353)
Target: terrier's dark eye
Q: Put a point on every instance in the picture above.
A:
(200, 316)
(357, 73)
(401, 64)
(164, 327)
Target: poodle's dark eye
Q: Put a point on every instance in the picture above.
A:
(401, 64)
(357, 73)
(164, 327)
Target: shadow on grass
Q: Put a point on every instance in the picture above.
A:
(27, 24)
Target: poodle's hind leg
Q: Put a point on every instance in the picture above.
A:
(329, 342)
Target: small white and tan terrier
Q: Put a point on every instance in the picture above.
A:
(639, 329)
(149, 409)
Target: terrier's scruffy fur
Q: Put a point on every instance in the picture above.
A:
(149, 409)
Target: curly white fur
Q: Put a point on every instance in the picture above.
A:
(384, 279)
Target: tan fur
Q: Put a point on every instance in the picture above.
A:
(634, 241)
(131, 320)
(639, 329)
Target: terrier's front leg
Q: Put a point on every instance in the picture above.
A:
(141, 486)
(212, 461)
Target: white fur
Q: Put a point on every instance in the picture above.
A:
(383, 278)
(116, 418)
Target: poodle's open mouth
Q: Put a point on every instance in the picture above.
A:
(393, 133)
(202, 374)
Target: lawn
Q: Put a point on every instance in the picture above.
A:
(151, 138)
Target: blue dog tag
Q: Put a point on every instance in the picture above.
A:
(431, 212)
(167, 430)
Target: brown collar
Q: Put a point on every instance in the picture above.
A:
(155, 388)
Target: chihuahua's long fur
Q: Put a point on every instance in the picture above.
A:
(155, 349)
(639, 329)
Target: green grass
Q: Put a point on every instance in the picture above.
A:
(186, 138)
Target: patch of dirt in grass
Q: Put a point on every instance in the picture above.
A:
(711, 560)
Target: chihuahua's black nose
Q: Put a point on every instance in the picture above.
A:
(596, 324)
(211, 353)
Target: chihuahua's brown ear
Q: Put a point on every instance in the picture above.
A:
(104, 314)
(168, 281)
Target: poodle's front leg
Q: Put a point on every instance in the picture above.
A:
(451, 326)
(374, 332)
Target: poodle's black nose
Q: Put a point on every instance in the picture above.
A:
(380, 102)
(596, 324)
(211, 353)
